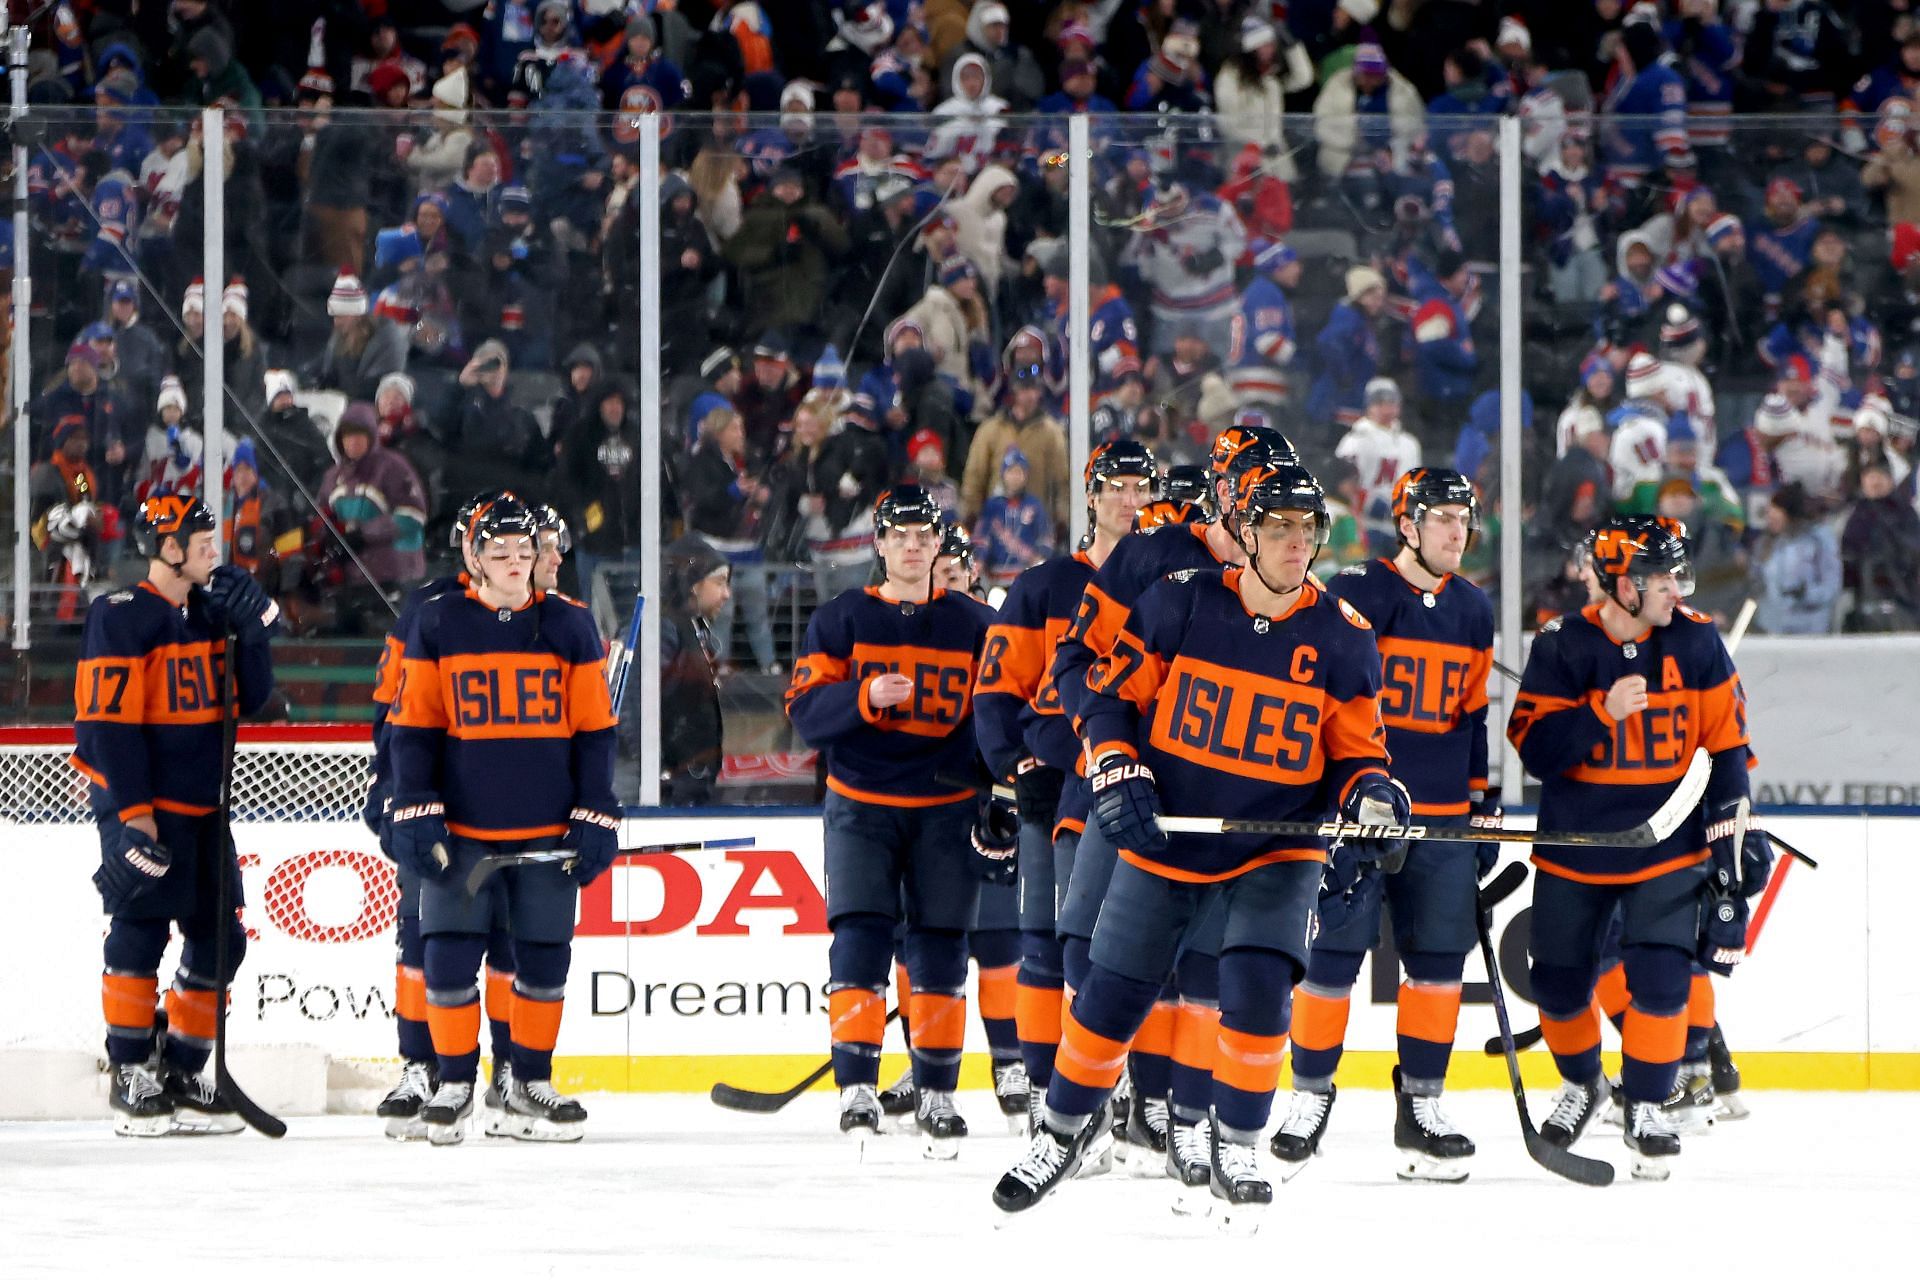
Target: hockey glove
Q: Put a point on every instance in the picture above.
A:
(996, 841)
(236, 600)
(1126, 805)
(595, 837)
(1036, 790)
(1723, 909)
(1379, 801)
(374, 812)
(1485, 810)
(131, 870)
(419, 840)
(1727, 833)
(1349, 884)
(1756, 862)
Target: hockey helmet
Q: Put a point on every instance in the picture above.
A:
(1169, 511)
(1638, 547)
(1119, 458)
(1267, 489)
(171, 515)
(503, 517)
(1423, 488)
(464, 515)
(907, 506)
(1188, 483)
(547, 518)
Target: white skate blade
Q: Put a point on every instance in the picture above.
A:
(498, 1122)
(447, 1135)
(1692, 1120)
(1287, 1170)
(1239, 1219)
(1193, 1202)
(1730, 1107)
(535, 1129)
(1098, 1158)
(1416, 1166)
(406, 1128)
(1016, 1124)
(142, 1127)
(197, 1124)
(1650, 1168)
(858, 1137)
(932, 1148)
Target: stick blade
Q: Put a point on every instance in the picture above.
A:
(1685, 798)
(1584, 1170)
(1501, 887)
(737, 1099)
(256, 1117)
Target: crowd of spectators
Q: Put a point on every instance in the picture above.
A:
(864, 273)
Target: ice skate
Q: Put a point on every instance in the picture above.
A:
(141, 1107)
(402, 1106)
(1651, 1138)
(860, 1114)
(1726, 1078)
(1098, 1155)
(1690, 1107)
(1241, 1192)
(941, 1126)
(1189, 1163)
(1431, 1149)
(1010, 1091)
(1298, 1138)
(540, 1114)
(446, 1113)
(1573, 1110)
(198, 1107)
(899, 1098)
(1050, 1159)
(496, 1121)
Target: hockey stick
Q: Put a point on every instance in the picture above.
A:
(1556, 1160)
(620, 662)
(256, 1116)
(734, 1098)
(1664, 822)
(1532, 1035)
(483, 870)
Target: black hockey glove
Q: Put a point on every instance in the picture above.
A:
(1126, 805)
(1036, 790)
(374, 812)
(996, 841)
(1723, 908)
(131, 870)
(419, 840)
(595, 837)
(1379, 801)
(1485, 810)
(1756, 862)
(236, 600)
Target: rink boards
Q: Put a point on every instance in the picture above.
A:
(694, 967)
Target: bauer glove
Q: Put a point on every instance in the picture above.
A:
(1723, 908)
(130, 870)
(1485, 810)
(1756, 862)
(1350, 883)
(1378, 801)
(419, 840)
(595, 837)
(1126, 805)
(236, 600)
(996, 841)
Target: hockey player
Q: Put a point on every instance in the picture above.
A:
(1172, 1056)
(502, 740)
(1238, 692)
(418, 1070)
(554, 543)
(1025, 737)
(1612, 705)
(884, 688)
(1435, 633)
(155, 662)
(954, 568)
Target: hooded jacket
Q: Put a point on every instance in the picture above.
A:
(968, 126)
(380, 503)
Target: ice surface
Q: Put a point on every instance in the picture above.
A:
(1810, 1180)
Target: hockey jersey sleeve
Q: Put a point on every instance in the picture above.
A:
(1095, 628)
(417, 725)
(1121, 686)
(1723, 719)
(109, 696)
(1353, 731)
(590, 715)
(1013, 664)
(824, 701)
(1556, 721)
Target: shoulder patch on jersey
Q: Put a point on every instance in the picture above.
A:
(1354, 570)
(1353, 615)
(1183, 575)
(120, 597)
(1550, 626)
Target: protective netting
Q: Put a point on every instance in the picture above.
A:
(272, 782)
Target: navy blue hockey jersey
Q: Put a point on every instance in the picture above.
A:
(893, 755)
(1016, 707)
(1436, 651)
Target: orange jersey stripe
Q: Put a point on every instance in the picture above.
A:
(1548, 866)
(895, 802)
(1197, 877)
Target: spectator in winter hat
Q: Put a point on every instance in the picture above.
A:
(1011, 68)
(143, 355)
(362, 349)
(379, 505)
(1363, 110)
(1796, 571)
(1022, 425)
(1015, 530)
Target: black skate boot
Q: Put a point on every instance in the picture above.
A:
(496, 1119)
(1190, 1163)
(541, 1114)
(860, 1113)
(941, 1126)
(1010, 1091)
(1726, 1077)
(402, 1106)
(141, 1106)
(1651, 1138)
(1298, 1138)
(1237, 1182)
(1050, 1159)
(445, 1115)
(1431, 1148)
(899, 1098)
(1573, 1109)
(1691, 1105)
(197, 1104)
(1147, 1124)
